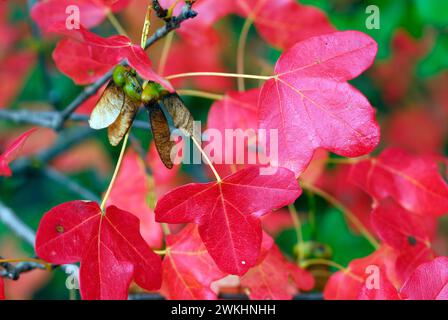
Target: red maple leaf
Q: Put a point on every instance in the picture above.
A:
(51, 15)
(428, 282)
(85, 57)
(347, 284)
(228, 211)
(188, 269)
(311, 104)
(399, 228)
(414, 182)
(408, 233)
(12, 152)
(237, 111)
(109, 247)
(283, 23)
(336, 182)
(275, 278)
(199, 31)
(205, 56)
(130, 193)
(385, 290)
(164, 179)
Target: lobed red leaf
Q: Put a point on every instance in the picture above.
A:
(188, 269)
(109, 247)
(310, 103)
(227, 213)
(413, 182)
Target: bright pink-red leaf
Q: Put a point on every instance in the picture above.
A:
(85, 57)
(54, 15)
(227, 212)
(283, 23)
(11, 153)
(206, 56)
(408, 259)
(385, 290)
(109, 247)
(275, 278)
(336, 182)
(188, 269)
(311, 104)
(428, 282)
(347, 285)
(397, 227)
(164, 179)
(199, 31)
(235, 114)
(414, 182)
(130, 193)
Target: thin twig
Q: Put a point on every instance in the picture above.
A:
(70, 184)
(13, 222)
(172, 24)
(9, 219)
(13, 272)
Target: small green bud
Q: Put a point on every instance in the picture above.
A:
(120, 75)
(132, 88)
(152, 92)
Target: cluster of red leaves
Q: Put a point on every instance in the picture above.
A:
(84, 56)
(409, 194)
(281, 23)
(310, 102)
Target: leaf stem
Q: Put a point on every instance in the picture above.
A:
(160, 252)
(241, 50)
(297, 227)
(165, 229)
(312, 213)
(165, 51)
(200, 94)
(116, 24)
(117, 169)
(345, 211)
(146, 27)
(218, 74)
(207, 159)
(330, 263)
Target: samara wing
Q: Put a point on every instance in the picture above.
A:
(108, 107)
(161, 133)
(120, 127)
(182, 118)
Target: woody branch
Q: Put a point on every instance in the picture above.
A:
(56, 121)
